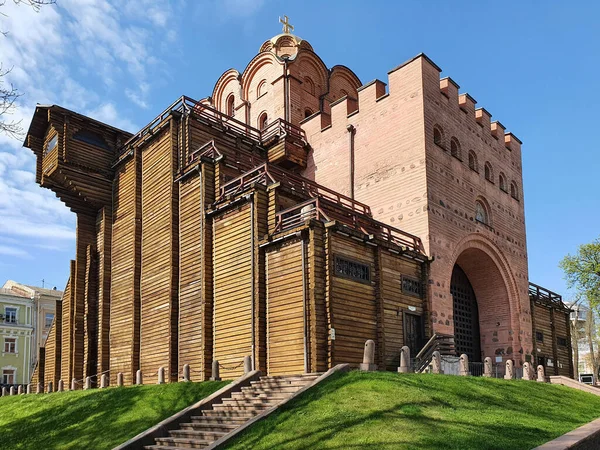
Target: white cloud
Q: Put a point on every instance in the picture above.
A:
(107, 113)
(85, 55)
(14, 251)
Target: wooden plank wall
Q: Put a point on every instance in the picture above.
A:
(90, 325)
(86, 235)
(103, 232)
(260, 230)
(318, 318)
(53, 349)
(67, 330)
(232, 258)
(563, 352)
(159, 276)
(208, 186)
(396, 304)
(353, 305)
(124, 307)
(285, 309)
(190, 268)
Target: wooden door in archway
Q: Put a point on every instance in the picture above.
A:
(467, 339)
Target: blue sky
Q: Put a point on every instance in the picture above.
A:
(533, 65)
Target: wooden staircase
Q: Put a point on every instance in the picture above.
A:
(203, 430)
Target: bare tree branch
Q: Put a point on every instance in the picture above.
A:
(8, 93)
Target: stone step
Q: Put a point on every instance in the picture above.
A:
(198, 434)
(249, 401)
(224, 420)
(182, 443)
(268, 390)
(224, 415)
(251, 395)
(211, 426)
(163, 447)
(275, 384)
(305, 376)
(247, 408)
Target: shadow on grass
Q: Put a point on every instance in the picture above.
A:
(96, 419)
(444, 413)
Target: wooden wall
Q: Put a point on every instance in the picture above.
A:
(90, 325)
(353, 306)
(318, 316)
(396, 304)
(554, 324)
(232, 265)
(285, 309)
(53, 347)
(85, 236)
(104, 237)
(67, 331)
(159, 274)
(125, 300)
(191, 220)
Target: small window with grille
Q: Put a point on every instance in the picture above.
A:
(352, 270)
(412, 286)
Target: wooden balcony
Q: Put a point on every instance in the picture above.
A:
(286, 144)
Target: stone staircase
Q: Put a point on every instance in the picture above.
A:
(212, 424)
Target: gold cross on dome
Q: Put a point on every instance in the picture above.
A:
(286, 25)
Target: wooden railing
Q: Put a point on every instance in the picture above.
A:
(297, 215)
(281, 128)
(266, 174)
(276, 129)
(443, 343)
(543, 295)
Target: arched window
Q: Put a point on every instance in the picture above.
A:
(262, 121)
(307, 113)
(438, 136)
(473, 162)
(261, 89)
(514, 191)
(455, 148)
(309, 86)
(231, 105)
(489, 174)
(481, 213)
(502, 182)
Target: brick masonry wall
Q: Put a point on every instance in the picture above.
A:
(495, 257)
(408, 180)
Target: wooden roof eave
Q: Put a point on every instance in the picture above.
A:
(374, 240)
(40, 121)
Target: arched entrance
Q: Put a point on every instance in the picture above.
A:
(466, 315)
(484, 301)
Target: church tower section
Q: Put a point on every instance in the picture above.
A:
(285, 83)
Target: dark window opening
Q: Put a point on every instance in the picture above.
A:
(489, 175)
(412, 286)
(455, 148)
(539, 336)
(91, 138)
(353, 270)
(437, 137)
(473, 162)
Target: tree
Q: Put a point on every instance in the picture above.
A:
(8, 93)
(582, 272)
